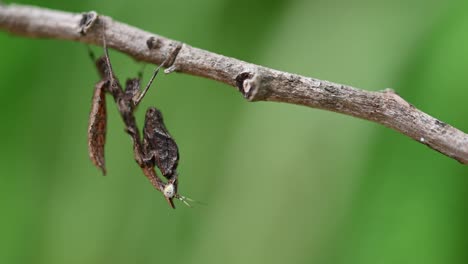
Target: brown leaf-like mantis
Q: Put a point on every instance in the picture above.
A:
(158, 148)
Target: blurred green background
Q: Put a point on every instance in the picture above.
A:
(282, 183)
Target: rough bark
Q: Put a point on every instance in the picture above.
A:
(256, 83)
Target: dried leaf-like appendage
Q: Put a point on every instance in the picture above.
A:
(159, 147)
(97, 126)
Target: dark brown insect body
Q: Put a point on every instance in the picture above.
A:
(160, 148)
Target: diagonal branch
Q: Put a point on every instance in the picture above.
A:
(256, 83)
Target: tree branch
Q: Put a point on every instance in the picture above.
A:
(256, 83)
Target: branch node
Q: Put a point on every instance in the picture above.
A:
(252, 85)
(243, 84)
(153, 43)
(87, 21)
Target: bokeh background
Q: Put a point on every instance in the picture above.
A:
(281, 183)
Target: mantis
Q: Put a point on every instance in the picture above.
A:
(157, 148)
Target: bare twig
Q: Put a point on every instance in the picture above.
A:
(256, 83)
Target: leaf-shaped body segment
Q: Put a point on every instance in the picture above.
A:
(160, 148)
(97, 126)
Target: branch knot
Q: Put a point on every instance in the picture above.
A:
(87, 21)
